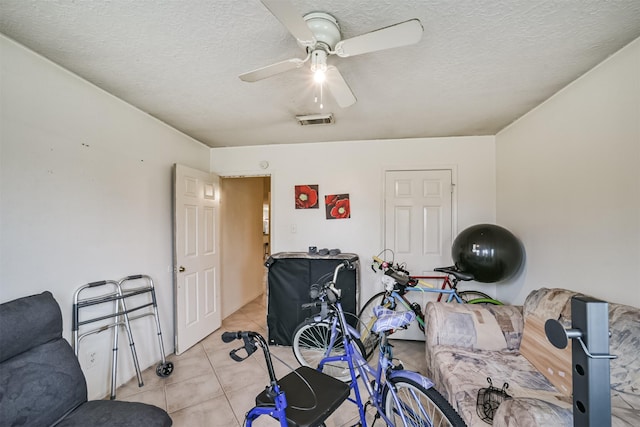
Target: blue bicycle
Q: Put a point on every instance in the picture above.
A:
(307, 397)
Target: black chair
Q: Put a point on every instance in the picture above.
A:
(41, 383)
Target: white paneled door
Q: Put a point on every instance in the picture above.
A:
(196, 255)
(418, 226)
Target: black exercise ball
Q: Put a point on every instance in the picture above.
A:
(490, 252)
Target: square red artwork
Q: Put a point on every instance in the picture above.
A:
(337, 206)
(307, 197)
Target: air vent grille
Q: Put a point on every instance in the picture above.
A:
(315, 119)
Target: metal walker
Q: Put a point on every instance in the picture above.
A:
(164, 368)
(117, 293)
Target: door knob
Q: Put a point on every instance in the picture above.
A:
(181, 269)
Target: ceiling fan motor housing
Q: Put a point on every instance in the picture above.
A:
(325, 29)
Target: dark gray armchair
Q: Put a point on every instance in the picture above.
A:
(41, 383)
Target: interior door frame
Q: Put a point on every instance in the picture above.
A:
(239, 255)
(225, 244)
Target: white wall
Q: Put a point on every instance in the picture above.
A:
(85, 195)
(358, 168)
(568, 184)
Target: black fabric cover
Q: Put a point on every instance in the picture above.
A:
(39, 387)
(41, 381)
(113, 413)
(290, 276)
(28, 322)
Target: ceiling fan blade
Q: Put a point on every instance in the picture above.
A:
(272, 70)
(402, 34)
(339, 88)
(292, 20)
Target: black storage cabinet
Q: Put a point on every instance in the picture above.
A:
(289, 278)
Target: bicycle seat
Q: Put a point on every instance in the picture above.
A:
(311, 396)
(453, 270)
(389, 319)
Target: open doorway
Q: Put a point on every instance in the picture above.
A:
(245, 239)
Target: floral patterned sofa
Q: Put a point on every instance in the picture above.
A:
(465, 344)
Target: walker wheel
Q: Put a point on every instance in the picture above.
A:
(164, 369)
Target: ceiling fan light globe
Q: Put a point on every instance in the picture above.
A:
(318, 60)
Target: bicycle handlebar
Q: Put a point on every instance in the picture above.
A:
(251, 342)
(348, 264)
(317, 291)
(311, 305)
(230, 336)
(401, 276)
(397, 276)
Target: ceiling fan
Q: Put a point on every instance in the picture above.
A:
(319, 34)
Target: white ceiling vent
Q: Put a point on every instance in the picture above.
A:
(315, 119)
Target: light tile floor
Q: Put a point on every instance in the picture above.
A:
(208, 388)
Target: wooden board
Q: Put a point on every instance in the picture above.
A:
(555, 364)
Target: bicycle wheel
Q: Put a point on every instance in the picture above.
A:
(420, 406)
(369, 339)
(477, 297)
(310, 344)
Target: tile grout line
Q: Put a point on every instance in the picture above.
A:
(224, 392)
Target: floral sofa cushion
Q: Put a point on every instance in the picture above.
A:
(460, 358)
(461, 373)
(624, 324)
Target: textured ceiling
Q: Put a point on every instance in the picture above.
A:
(480, 65)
